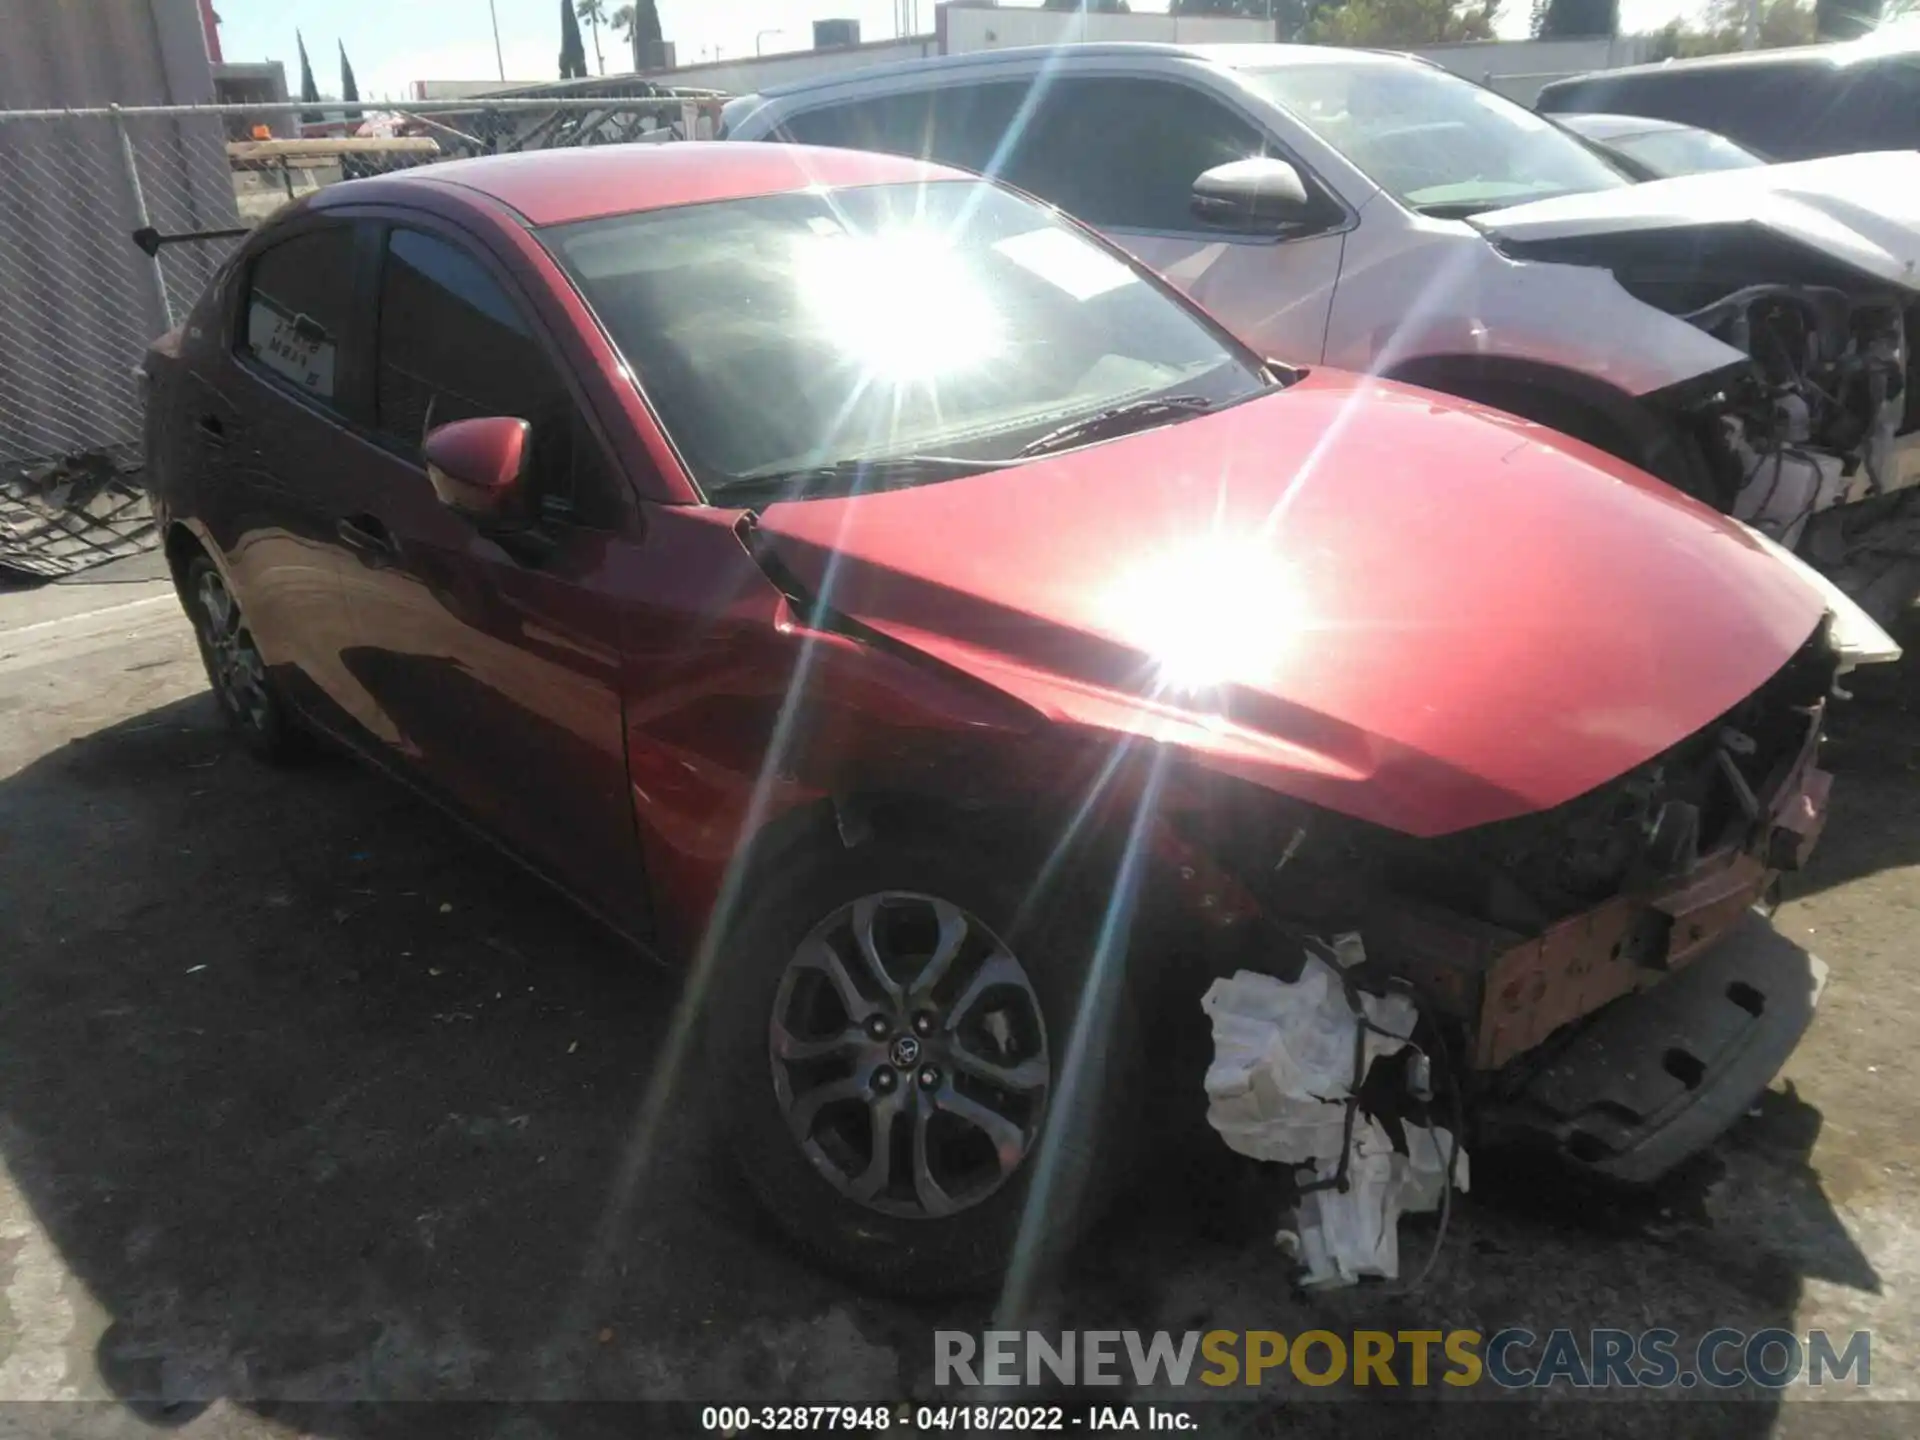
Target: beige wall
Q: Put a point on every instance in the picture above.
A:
(966, 28)
(1518, 68)
(754, 73)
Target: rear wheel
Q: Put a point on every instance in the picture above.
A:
(892, 1054)
(235, 670)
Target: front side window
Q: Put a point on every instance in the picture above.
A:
(453, 346)
(1439, 144)
(813, 329)
(299, 294)
(1122, 154)
(1872, 107)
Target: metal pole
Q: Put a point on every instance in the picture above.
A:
(424, 107)
(141, 220)
(1750, 27)
(760, 36)
(499, 60)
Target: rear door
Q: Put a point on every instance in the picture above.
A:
(271, 424)
(496, 670)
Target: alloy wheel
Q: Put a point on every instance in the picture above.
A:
(239, 675)
(909, 1055)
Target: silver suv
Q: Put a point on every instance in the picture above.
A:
(1745, 335)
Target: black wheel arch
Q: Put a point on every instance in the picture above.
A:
(1633, 428)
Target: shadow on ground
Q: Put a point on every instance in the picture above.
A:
(321, 1101)
(1873, 747)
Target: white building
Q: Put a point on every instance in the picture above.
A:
(1517, 68)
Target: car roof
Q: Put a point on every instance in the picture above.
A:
(1236, 57)
(554, 187)
(1828, 56)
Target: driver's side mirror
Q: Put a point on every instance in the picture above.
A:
(479, 467)
(1260, 195)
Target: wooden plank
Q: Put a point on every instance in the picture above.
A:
(245, 150)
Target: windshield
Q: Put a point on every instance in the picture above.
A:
(1432, 140)
(786, 333)
(1683, 151)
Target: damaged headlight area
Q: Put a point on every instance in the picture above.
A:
(1592, 979)
(1815, 419)
(1856, 636)
(1813, 438)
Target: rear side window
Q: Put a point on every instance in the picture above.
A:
(1787, 109)
(299, 294)
(1877, 107)
(961, 125)
(453, 346)
(895, 124)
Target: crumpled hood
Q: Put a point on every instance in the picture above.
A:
(1860, 209)
(1402, 607)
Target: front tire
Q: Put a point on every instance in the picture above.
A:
(889, 1045)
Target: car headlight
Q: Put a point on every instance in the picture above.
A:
(1857, 638)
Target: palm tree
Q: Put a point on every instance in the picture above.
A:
(641, 23)
(594, 12)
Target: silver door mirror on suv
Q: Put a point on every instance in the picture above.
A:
(1260, 194)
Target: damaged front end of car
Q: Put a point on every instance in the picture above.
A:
(1598, 971)
(1813, 436)
(1537, 732)
(1816, 441)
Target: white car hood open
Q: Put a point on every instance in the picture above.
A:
(1860, 209)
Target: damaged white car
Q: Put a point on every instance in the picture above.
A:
(1747, 336)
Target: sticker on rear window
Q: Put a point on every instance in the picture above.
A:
(1064, 260)
(291, 345)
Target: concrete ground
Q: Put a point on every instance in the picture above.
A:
(308, 1096)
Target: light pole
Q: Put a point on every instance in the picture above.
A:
(762, 35)
(498, 59)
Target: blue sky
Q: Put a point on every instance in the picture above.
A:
(394, 42)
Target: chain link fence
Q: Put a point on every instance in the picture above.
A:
(80, 301)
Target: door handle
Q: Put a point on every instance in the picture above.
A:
(368, 535)
(213, 430)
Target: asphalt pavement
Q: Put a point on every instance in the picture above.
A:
(308, 1097)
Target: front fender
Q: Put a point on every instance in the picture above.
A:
(1424, 294)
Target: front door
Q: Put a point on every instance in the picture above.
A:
(1121, 153)
(496, 672)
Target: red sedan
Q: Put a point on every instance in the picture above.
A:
(871, 589)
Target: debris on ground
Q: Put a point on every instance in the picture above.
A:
(1290, 1059)
(70, 514)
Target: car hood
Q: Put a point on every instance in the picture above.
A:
(1402, 607)
(1863, 210)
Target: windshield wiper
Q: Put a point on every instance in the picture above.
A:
(1134, 415)
(855, 476)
